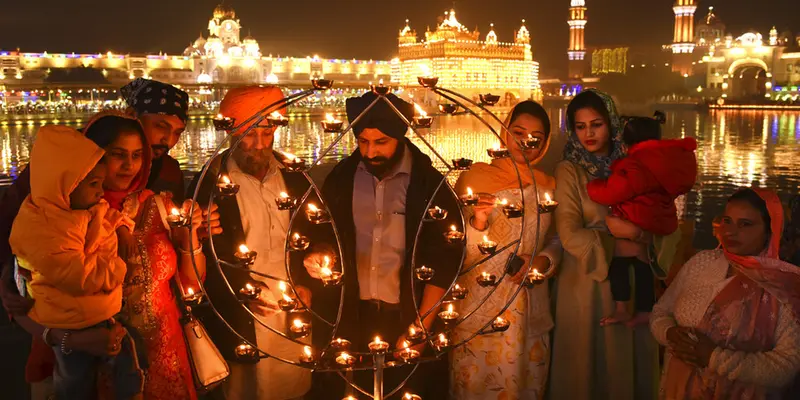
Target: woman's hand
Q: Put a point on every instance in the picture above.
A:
(623, 229)
(126, 243)
(266, 304)
(482, 210)
(196, 216)
(690, 346)
(211, 224)
(314, 263)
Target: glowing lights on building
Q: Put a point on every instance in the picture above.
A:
(463, 61)
(577, 35)
(610, 61)
(683, 38)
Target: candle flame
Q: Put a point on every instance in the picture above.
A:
(457, 287)
(547, 197)
(442, 338)
(296, 236)
(307, 351)
(406, 344)
(496, 146)
(298, 324)
(276, 114)
(326, 261)
(437, 208)
(329, 117)
(249, 287)
(287, 298)
(412, 331)
(485, 238)
(175, 212)
(450, 308)
(225, 180)
(243, 249)
(419, 109)
(380, 82)
(282, 286)
(408, 396)
(284, 195)
(504, 202)
(377, 339)
(220, 116)
(469, 192)
(485, 274)
(190, 291)
(453, 228)
(312, 207)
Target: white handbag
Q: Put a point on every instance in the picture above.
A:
(209, 368)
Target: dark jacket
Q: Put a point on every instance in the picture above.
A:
(433, 250)
(225, 245)
(166, 176)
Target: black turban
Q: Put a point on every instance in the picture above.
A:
(381, 116)
(153, 97)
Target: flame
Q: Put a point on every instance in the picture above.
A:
(220, 116)
(442, 338)
(225, 180)
(547, 197)
(419, 109)
(437, 208)
(377, 339)
(412, 331)
(500, 320)
(296, 236)
(282, 286)
(249, 287)
(450, 308)
(425, 70)
(406, 344)
(485, 275)
(284, 195)
(297, 323)
(276, 115)
(312, 207)
(307, 351)
(329, 117)
(469, 192)
(287, 298)
(190, 291)
(243, 249)
(485, 239)
(504, 202)
(326, 261)
(453, 228)
(496, 146)
(408, 396)
(457, 287)
(175, 212)
(380, 82)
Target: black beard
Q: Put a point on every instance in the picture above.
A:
(386, 164)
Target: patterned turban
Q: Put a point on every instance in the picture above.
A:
(153, 97)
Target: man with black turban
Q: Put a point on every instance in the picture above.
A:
(162, 110)
(377, 197)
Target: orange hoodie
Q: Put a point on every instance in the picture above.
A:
(72, 254)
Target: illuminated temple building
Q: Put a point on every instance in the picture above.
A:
(464, 62)
(220, 58)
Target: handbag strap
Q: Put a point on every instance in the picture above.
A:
(176, 284)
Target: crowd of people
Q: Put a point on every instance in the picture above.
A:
(95, 272)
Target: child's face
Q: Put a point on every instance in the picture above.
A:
(90, 190)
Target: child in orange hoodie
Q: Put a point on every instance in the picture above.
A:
(65, 236)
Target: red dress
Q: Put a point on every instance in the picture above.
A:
(643, 186)
(150, 303)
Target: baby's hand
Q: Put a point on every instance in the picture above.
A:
(126, 242)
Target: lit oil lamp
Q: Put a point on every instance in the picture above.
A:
(299, 242)
(276, 119)
(299, 328)
(307, 357)
(408, 354)
(487, 246)
(422, 120)
(328, 276)
(453, 236)
(378, 346)
(245, 351)
(287, 303)
(497, 152)
(322, 84)
(250, 292)
(415, 334)
(486, 279)
(424, 273)
(428, 81)
(500, 324)
(534, 278)
(345, 359)
(380, 89)
(469, 199)
(223, 123)
(340, 344)
(176, 219)
(548, 205)
(285, 202)
(511, 210)
(442, 343)
(293, 164)
(316, 215)
(411, 396)
(245, 256)
(462, 164)
(459, 292)
(437, 214)
(225, 187)
(192, 297)
(530, 142)
(489, 99)
(448, 108)
(449, 315)
(331, 124)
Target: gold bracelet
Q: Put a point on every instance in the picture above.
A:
(194, 252)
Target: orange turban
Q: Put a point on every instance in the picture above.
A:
(243, 102)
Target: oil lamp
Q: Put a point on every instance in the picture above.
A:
(225, 187)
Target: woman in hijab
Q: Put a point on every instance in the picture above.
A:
(589, 361)
(514, 364)
(731, 319)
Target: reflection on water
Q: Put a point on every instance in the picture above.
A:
(735, 149)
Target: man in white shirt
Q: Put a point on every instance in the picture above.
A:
(251, 217)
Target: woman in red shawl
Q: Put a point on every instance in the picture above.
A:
(731, 318)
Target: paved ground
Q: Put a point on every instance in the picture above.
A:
(14, 346)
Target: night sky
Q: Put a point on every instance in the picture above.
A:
(356, 28)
